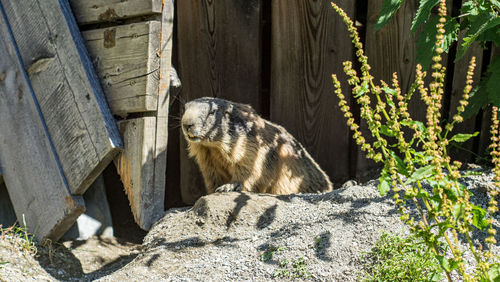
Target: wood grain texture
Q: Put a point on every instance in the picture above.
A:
(33, 176)
(94, 11)
(485, 135)
(219, 55)
(79, 121)
(136, 168)
(459, 81)
(308, 46)
(391, 49)
(126, 60)
(162, 112)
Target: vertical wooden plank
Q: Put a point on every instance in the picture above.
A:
(160, 154)
(485, 135)
(135, 166)
(71, 99)
(463, 153)
(391, 49)
(219, 55)
(309, 44)
(34, 177)
(94, 11)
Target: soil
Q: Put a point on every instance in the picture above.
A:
(235, 236)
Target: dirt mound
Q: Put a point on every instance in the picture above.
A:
(250, 236)
(238, 236)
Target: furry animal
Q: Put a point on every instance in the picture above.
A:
(237, 150)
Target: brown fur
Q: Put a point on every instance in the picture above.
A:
(236, 149)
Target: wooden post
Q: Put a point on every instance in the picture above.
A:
(78, 119)
(219, 56)
(34, 176)
(309, 44)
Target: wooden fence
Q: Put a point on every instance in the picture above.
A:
(278, 56)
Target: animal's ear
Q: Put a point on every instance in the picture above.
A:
(246, 108)
(229, 109)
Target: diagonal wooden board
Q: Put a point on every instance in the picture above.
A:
(83, 131)
(33, 176)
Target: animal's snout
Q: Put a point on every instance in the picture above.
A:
(188, 126)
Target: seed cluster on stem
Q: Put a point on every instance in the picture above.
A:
(417, 168)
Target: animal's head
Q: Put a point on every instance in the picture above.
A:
(212, 119)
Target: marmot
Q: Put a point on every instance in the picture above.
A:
(237, 150)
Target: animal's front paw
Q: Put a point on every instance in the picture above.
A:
(229, 187)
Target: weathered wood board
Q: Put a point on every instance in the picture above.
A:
(79, 121)
(127, 63)
(142, 164)
(33, 176)
(162, 112)
(219, 55)
(94, 11)
(308, 46)
(136, 167)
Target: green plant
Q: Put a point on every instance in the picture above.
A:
(20, 236)
(269, 253)
(479, 21)
(419, 159)
(400, 258)
(297, 268)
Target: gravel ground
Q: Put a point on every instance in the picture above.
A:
(243, 236)
(226, 236)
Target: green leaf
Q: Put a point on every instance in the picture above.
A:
(435, 201)
(494, 272)
(458, 210)
(421, 127)
(389, 8)
(363, 90)
(478, 24)
(420, 174)
(462, 137)
(487, 90)
(495, 3)
(427, 39)
(384, 184)
(478, 100)
(389, 90)
(446, 264)
(400, 165)
(478, 219)
(492, 81)
(423, 13)
(386, 131)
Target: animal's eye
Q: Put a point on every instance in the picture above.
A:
(212, 111)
